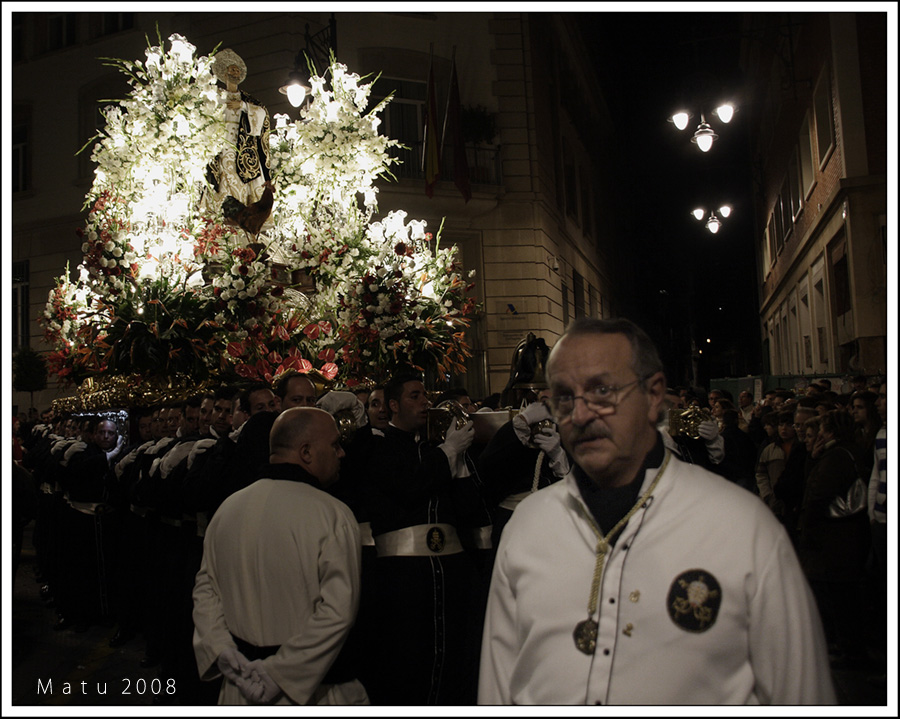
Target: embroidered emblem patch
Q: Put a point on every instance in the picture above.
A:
(694, 600)
(435, 539)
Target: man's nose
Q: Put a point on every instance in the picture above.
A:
(582, 414)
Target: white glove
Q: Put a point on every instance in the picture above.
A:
(548, 441)
(715, 442)
(118, 448)
(199, 448)
(256, 685)
(232, 663)
(174, 457)
(72, 450)
(532, 414)
(335, 401)
(458, 441)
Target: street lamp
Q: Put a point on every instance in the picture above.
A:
(318, 46)
(713, 223)
(297, 86)
(704, 136)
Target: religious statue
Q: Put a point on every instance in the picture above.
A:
(241, 170)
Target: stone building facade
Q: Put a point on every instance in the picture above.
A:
(819, 88)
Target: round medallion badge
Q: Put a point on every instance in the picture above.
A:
(435, 539)
(694, 600)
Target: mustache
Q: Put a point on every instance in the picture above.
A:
(589, 433)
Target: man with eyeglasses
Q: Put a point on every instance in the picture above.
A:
(640, 579)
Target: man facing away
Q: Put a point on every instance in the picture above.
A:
(278, 588)
(640, 579)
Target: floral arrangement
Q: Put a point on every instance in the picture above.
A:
(169, 289)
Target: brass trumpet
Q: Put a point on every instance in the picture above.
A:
(440, 419)
(686, 422)
(537, 427)
(346, 424)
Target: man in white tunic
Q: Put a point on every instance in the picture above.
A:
(640, 579)
(278, 588)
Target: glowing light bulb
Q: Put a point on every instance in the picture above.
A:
(680, 119)
(725, 112)
(295, 94)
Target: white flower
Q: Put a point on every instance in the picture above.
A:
(181, 48)
(417, 229)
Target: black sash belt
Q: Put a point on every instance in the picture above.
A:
(253, 652)
(337, 674)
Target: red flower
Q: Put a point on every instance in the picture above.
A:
(280, 332)
(245, 371)
(400, 248)
(330, 370)
(327, 355)
(235, 349)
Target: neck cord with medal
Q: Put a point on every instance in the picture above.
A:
(585, 633)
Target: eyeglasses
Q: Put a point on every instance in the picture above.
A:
(601, 399)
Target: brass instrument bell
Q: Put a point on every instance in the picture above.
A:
(442, 416)
(686, 422)
(537, 427)
(346, 424)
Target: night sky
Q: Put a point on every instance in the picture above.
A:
(689, 281)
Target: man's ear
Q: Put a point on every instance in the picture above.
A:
(394, 406)
(656, 394)
(305, 452)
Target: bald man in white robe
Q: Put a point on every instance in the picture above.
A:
(278, 588)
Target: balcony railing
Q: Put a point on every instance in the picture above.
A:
(484, 164)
